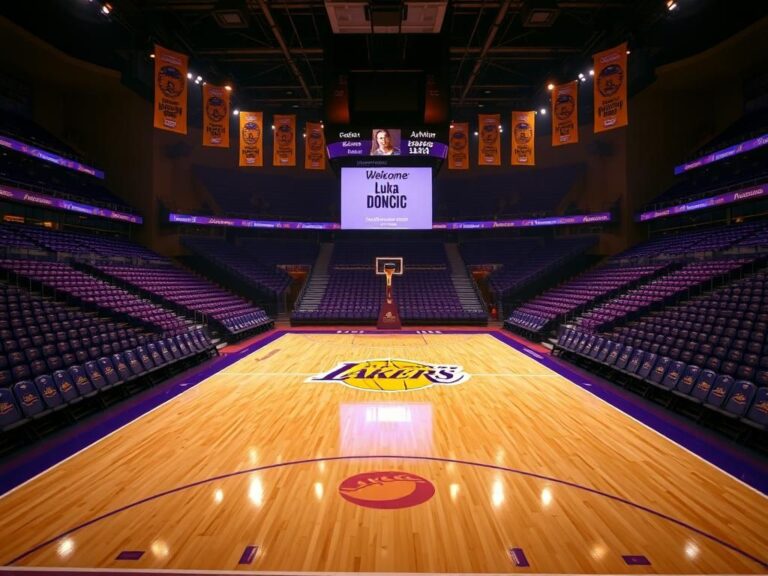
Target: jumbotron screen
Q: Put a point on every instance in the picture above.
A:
(346, 142)
(386, 198)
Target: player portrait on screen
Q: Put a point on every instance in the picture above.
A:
(384, 142)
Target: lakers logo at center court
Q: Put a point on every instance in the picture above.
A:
(392, 375)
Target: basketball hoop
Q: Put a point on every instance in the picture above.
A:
(389, 266)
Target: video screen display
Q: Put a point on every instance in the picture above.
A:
(386, 198)
(343, 142)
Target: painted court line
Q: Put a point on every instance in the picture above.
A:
(388, 457)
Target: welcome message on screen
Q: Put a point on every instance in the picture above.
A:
(386, 198)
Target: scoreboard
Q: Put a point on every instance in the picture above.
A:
(409, 142)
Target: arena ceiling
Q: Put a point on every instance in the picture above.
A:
(276, 52)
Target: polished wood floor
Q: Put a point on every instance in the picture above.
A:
(520, 458)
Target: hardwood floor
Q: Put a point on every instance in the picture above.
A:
(519, 458)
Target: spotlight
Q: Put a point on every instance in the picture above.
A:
(550, 86)
(106, 8)
(592, 72)
(475, 132)
(671, 5)
(228, 88)
(581, 76)
(199, 79)
(236, 112)
(152, 55)
(543, 111)
(628, 52)
(190, 75)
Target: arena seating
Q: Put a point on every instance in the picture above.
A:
(55, 356)
(709, 351)
(240, 262)
(192, 295)
(84, 288)
(519, 261)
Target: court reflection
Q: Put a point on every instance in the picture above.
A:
(385, 428)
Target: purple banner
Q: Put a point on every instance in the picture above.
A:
(243, 223)
(526, 223)
(49, 157)
(26, 197)
(719, 200)
(724, 153)
(599, 217)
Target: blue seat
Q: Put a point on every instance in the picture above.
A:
(108, 370)
(741, 397)
(703, 385)
(29, 399)
(91, 369)
(66, 387)
(10, 414)
(49, 392)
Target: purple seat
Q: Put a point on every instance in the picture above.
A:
(10, 415)
(91, 369)
(81, 382)
(740, 399)
(133, 362)
(673, 375)
(49, 392)
(757, 415)
(721, 390)
(703, 385)
(29, 399)
(66, 388)
(108, 370)
(121, 367)
(687, 381)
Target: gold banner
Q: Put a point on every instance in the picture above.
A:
(284, 140)
(489, 142)
(251, 139)
(523, 138)
(170, 90)
(314, 147)
(565, 114)
(611, 88)
(458, 146)
(216, 116)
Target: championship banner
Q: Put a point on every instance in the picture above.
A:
(216, 117)
(251, 139)
(170, 90)
(284, 140)
(523, 138)
(458, 146)
(489, 143)
(611, 88)
(565, 114)
(314, 147)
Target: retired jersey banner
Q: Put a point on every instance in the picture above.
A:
(314, 147)
(170, 90)
(284, 140)
(523, 138)
(251, 139)
(489, 143)
(458, 146)
(216, 116)
(565, 114)
(611, 88)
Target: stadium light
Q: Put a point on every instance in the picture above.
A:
(228, 88)
(235, 112)
(671, 5)
(543, 111)
(190, 75)
(550, 86)
(592, 72)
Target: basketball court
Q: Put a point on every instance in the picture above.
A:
(458, 452)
